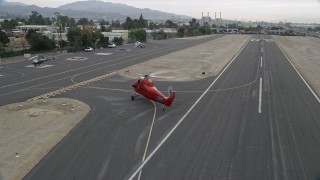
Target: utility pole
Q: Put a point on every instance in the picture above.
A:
(60, 36)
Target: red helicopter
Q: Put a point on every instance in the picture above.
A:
(146, 88)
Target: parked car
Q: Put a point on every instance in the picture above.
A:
(88, 49)
(112, 45)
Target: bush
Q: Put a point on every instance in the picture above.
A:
(118, 41)
(159, 35)
(4, 54)
(74, 49)
(138, 35)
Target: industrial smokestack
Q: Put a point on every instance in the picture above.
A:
(215, 15)
(202, 15)
(208, 14)
(220, 15)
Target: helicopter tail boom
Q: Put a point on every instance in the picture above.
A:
(170, 99)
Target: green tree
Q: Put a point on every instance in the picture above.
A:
(72, 23)
(103, 28)
(116, 24)
(1, 47)
(47, 21)
(159, 35)
(83, 21)
(194, 23)
(205, 30)
(232, 26)
(103, 41)
(36, 19)
(74, 36)
(118, 41)
(142, 23)
(103, 25)
(3, 37)
(39, 42)
(87, 39)
(62, 21)
(104, 22)
(29, 33)
(9, 24)
(129, 24)
(138, 35)
(181, 32)
(21, 20)
(193, 32)
(152, 25)
(170, 24)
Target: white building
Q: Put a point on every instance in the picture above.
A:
(124, 34)
(40, 28)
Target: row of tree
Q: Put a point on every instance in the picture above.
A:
(37, 19)
(90, 35)
(78, 38)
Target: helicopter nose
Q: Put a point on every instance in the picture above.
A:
(133, 85)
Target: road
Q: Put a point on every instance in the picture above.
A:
(256, 120)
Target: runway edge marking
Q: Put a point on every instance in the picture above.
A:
(183, 117)
(306, 83)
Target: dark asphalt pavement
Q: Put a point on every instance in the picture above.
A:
(226, 136)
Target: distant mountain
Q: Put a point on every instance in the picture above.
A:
(11, 3)
(87, 9)
(125, 10)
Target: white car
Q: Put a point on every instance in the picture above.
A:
(112, 45)
(139, 44)
(88, 49)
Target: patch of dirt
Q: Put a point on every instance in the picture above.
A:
(30, 129)
(188, 64)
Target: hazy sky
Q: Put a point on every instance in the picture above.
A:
(267, 10)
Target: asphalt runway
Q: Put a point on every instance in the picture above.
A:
(257, 120)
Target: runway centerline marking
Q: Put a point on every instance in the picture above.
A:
(183, 117)
(260, 96)
(261, 61)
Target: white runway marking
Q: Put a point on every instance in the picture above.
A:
(260, 96)
(0, 75)
(76, 58)
(41, 66)
(261, 61)
(255, 39)
(104, 54)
